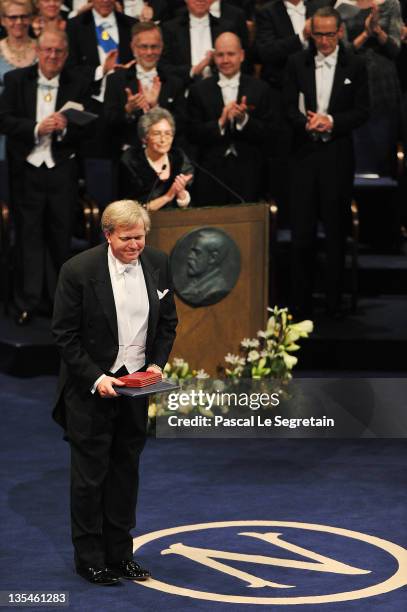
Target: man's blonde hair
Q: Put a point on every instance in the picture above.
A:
(124, 213)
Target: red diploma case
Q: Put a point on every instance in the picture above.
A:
(141, 379)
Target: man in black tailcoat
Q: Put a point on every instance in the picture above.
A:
(326, 97)
(41, 150)
(229, 119)
(135, 90)
(114, 314)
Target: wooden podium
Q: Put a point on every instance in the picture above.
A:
(206, 334)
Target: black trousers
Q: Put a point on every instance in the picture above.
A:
(44, 207)
(106, 438)
(320, 189)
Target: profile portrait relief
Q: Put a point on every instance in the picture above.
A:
(205, 264)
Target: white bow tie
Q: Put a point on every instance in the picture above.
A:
(121, 268)
(224, 84)
(300, 10)
(196, 22)
(48, 84)
(148, 75)
(320, 62)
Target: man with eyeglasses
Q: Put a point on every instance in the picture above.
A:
(326, 97)
(133, 91)
(41, 147)
(282, 29)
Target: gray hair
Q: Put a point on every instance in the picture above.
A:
(153, 116)
(63, 37)
(124, 213)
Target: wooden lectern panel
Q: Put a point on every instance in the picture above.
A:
(206, 334)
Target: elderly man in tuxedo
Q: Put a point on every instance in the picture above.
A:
(230, 119)
(41, 148)
(326, 97)
(143, 85)
(114, 314)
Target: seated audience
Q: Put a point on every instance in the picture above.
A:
(156, 175)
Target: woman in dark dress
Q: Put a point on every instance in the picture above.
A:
(374, 31)
(156, 175)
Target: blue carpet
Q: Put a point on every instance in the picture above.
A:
(356, 485)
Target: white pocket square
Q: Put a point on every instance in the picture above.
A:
(162, 294)
(347, 82)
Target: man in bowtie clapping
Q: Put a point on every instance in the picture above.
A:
(229, 119)
(139, 86)
(326, 98)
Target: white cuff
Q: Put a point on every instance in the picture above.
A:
(36, 137)
(185, 201)
(95, 384)
(98, 73)
(240, 125)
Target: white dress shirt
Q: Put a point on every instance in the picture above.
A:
(132, 310)
(109, 24)
(297, 15)
(324, 77)
(230, 88)
(47, 90)
(201, 40)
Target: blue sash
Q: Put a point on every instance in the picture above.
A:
(105, 41)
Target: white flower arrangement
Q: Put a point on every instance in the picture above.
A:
(269, 355)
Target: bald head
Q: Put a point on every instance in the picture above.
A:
(229, 54)
(228, 38)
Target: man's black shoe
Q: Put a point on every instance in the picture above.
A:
(130, 570)
(23, 318)
(101, 577)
